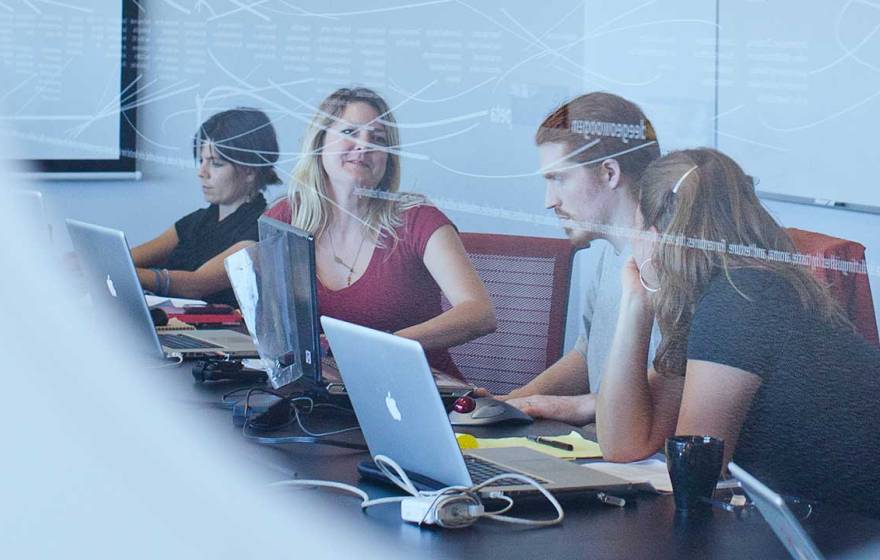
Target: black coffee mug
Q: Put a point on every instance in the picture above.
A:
(694, 464)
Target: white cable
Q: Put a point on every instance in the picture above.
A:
(404, 482)
(325, 484)
(451, 507)
(175, 355)
(560, 515)
(506, 508)
(313, 434)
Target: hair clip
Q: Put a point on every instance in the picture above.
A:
(683, 177)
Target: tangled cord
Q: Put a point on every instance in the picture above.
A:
(296, 414)
(453, 507)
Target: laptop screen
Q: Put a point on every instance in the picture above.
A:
(774, 510)
(289, 253)
(113, 284)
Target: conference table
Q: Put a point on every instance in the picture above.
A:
(647, 527)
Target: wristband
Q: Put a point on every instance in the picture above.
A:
(166, 282)
(158, 278)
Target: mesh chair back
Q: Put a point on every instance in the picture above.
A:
(528, 281)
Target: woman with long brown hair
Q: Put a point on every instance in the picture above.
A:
(754, 350)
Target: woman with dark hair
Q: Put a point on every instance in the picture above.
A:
(383, 257)
(236, 151)
(754, 350)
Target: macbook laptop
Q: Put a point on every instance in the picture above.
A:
(297, 265)
(116, 292)
(775, 511)
(401, 416)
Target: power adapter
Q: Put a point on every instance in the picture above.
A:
(447, 511)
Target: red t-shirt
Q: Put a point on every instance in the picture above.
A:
(396, 290)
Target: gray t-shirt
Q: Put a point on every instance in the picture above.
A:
(600, 310)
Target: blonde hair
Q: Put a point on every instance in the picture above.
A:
(310, 206)
(704, 194)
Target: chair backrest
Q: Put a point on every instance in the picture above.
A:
(528, 281)
(851, 289)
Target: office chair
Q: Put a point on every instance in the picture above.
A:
(851, 290)
(528, 281)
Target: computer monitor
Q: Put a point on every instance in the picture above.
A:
(291, 291)
(275, 282)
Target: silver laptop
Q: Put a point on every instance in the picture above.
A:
(401, 416)
(116, 293)
(783, 522)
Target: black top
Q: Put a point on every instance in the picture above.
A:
(202, 238)
(813, 429)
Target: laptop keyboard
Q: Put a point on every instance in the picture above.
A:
(482, 470)
(180, 341)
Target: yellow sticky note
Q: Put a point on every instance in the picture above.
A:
(581, 448)
(467, 441)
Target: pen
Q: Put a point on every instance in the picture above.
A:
(552, 443)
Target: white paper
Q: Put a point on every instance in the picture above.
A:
(153, 301)
(651, 471)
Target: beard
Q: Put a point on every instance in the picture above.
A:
(579, 238)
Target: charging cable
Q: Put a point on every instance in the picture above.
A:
(453, 507)
(295, 417)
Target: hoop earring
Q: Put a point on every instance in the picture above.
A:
(642, 278)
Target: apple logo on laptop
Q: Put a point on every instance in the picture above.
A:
(110, 287)
(392, 406)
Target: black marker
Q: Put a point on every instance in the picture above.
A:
(543, 440)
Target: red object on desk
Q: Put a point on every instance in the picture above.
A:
(193, 315)
(851, 290)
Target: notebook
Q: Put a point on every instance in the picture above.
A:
(402, 417)
(300, 302)
(116, 292)
(774, 510)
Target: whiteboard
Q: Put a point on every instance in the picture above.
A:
(660, 55)
(791, 93)
(799, 97)
(63, 90)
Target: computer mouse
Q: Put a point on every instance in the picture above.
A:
(482, 411)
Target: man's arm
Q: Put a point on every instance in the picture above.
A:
(568, 376)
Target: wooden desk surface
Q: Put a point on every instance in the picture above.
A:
(646, 528)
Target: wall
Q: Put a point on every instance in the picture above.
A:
(468, 86)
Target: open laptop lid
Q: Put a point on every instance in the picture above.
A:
(113, 283)
(395, 398)
(398, 407)
(783, 522)
(117, 296)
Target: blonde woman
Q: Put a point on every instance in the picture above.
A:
(383, 259)
(754, 351)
